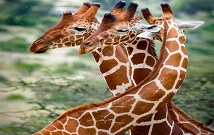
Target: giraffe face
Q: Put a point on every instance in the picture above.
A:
(70, 31)
(115, 28)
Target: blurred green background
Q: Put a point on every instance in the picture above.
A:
(36, 88)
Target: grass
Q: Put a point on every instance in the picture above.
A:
(27, 67)
(14, 45)
(65, 69)
(3, 79)
(15, 97)
(73, 68)
(3, 29)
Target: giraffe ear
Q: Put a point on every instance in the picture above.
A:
(151, 28)
(146, 34)
(149, 31)
(190, 24)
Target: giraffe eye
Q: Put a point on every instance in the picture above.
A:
(80, 28)
(122, 30)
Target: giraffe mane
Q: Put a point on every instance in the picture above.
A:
(159, 62)
(152, 46)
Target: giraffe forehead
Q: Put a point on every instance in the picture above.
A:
(120, 25)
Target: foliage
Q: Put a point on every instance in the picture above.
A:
(27, 68)
(23, 12)
(54, 95)
(3, 30)
(14, 45)
(71, 69)
(14, 97)
(194, 6)
(25, 128)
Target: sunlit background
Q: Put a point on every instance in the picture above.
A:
(36, 88)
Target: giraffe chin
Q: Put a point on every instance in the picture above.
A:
(42, 50)
(38, 49)
(84, 50)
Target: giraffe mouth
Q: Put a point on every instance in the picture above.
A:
(41, 50)
(38, 49)
(83, 50)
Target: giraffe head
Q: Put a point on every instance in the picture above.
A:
(156, 31)
(70, 31)
(116, 27)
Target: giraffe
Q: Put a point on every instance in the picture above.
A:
(189, 124)
(134, 51)
(113, 116)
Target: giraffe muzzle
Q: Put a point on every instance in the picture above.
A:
(86, 47)
(38, 49)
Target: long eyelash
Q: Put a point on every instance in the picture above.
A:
(122, 30)
(79, 29)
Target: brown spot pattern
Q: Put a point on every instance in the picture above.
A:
(70, 124)
(172, 33)
(150, 61)
(181, 79)
(142, 107)
(138, 58)
(107, 65)
(121, 121)
(86, 120)
(116, 77)
(130, 50)
(108, 51)
(151, 92)
(168, 77)
(184, 63)
(141, 74)
(174, 60)
(172, 46)
(142, 45)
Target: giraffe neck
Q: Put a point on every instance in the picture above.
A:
(142, 58)
(115, 68)
(136, 105)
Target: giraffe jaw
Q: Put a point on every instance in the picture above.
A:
(38, 48)
(83, 50)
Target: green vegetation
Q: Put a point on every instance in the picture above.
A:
(57, 87)
(15, 97)
(27, 68)
(71, 69)
(23, 12)
(14, 45)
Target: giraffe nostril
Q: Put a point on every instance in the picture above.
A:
(87, 43)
